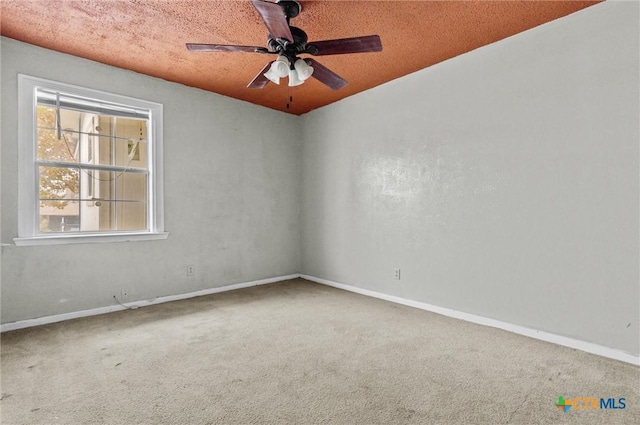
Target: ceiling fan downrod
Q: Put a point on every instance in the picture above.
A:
(291, 8)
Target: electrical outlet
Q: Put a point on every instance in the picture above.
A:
(124, 295)
(191, 270)
(396, 274)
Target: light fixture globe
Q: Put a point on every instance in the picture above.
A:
(303, 69)
(279, 69)
(294, 80)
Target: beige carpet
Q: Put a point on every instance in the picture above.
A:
(295, 353)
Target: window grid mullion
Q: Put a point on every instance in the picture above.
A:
(84, 132)
(94, 167)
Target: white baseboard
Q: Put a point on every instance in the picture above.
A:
(135, 304)
(521, 330)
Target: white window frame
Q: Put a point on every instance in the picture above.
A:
(28, 218)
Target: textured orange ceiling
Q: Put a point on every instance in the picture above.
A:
(149, 36)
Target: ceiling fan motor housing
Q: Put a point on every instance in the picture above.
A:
(299, 44)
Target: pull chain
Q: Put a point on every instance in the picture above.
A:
(290, 99)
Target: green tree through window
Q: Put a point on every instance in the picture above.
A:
(55, 182)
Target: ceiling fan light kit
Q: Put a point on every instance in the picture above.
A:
(298, 73)
(288, 42)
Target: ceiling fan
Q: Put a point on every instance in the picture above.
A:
(288, 42)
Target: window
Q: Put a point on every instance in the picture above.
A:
(90, 165)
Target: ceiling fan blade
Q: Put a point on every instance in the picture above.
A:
(259, 81)
(274, 18)
(325, 75)
(196, 47)
(369, 43)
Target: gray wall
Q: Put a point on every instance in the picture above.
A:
(232, 195)
(503, 183)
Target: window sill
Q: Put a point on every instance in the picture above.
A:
(89, 238)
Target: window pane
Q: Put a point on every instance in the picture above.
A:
(122, 142)
(113, 201)
(135, 154)
(73, 200)
(115, 151)
(132, 128)
(46, 117)
(130, 144)
(132, 186)
(65, 219)
(59, 206)
(131, 211)
(103, 150)
(50, 148)
(115, 185)
(113, 215)
(57, 185)
(132, 215)
(70, 121)
(90, 138)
